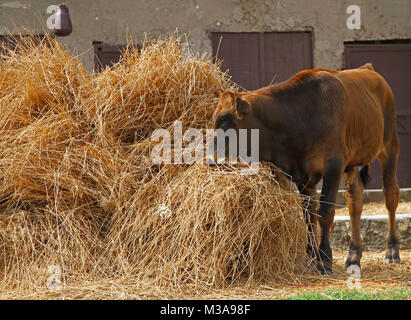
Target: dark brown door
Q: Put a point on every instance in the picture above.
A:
(286, 53)
(105, 55)
(393, 62)
(256, 59)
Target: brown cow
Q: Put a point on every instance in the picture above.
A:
(324, 124)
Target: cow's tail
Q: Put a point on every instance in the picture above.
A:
(368, 66)
(365, 175)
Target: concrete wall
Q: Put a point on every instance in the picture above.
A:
(108, 21)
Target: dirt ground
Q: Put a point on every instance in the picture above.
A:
(376, 276)
(376, 208)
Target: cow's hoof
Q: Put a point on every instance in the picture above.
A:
(325, 269)
(389, 259)
(354, 256)
(392, 255)
(350, 262)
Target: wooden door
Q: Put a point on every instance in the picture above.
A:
(256, 59)
(393, 61)
(105, 55)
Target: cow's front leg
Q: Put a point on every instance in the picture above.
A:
(331, 182)
(309, 202)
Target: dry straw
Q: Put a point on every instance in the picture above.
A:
(79, 191)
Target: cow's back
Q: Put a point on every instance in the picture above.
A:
(323, 113)
(369, 106)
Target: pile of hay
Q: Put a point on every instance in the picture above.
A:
(78, 191)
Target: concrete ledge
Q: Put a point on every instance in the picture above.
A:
(374, 195)
(373, 231)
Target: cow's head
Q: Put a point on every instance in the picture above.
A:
(231, 112)
(232, 115)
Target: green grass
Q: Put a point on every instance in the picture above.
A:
(345, 294)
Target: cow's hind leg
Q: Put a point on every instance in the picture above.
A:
(354, 196)
(388, 160)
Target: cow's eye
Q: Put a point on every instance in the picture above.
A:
(225, 121)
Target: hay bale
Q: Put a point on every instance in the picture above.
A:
(78, 189)
(152, 89)
(211, 226)
(41, 117)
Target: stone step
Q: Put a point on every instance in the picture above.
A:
(373, 231)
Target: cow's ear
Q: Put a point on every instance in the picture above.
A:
(218, 93)
(243, 108)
